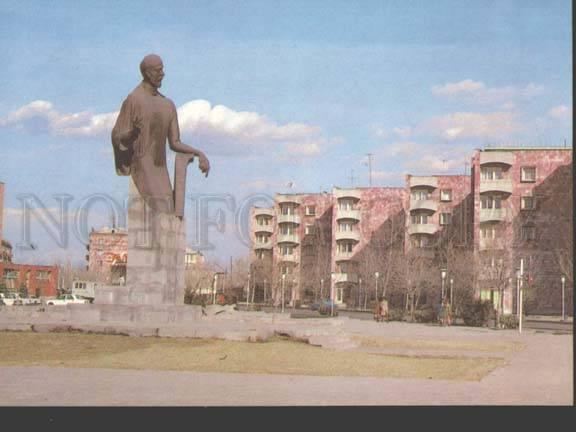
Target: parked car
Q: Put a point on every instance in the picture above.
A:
(324, 307)
(66, 299)
(11, 299)
(30, 301)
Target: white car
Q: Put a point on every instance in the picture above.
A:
(66, 299)
(11, 299)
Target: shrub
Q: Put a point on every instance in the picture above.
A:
(477, 313)
(509, 321)
(396, 315)
(425, 314)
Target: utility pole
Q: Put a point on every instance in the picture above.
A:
(370, 168)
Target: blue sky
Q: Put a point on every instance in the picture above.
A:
(274, 92)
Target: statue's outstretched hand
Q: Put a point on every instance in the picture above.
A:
(203, 164)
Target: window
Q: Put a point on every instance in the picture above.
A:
(286, 229)
(262, 238)
(420, 241)
(263, 220)
(446, 195)
(260, 254)
(528, 174)
(445, 218)
(491, 173)
(488, 232)
(287, 209)
(419, 218)
(420, 194)
(528, 232)
(345, 226)
(311, 210)
(286, 250)
(309, 229)
(345, 205)
(491, 201)
(286, 270)
(527, 203)
(345, 247)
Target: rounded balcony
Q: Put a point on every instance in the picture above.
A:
(496, 157)
(265, 245)
(345, 278)
(268, 229)
(288, 218)
(343, 256)
(347, 235)
(263, 211)
(501, 185)
(424, 181)
(287, 238)
(429, 229)
(348, 214)
(288, 199)
(492, 215)
(355, 194)
(292, 258)
(429, 205)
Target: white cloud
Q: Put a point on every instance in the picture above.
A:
(403, 132)
(477, 92)
(560, 112)
(462, 125)
(400, 148)
(218, 129)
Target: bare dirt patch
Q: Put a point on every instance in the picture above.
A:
(202, 355)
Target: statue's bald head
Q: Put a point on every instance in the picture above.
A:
(151, 60)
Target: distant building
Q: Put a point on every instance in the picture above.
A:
(192, 258)
(33, 280)
(107, 254)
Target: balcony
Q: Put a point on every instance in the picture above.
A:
(265, 245)
(345, 277)
(347, 193)
(491, 244)
(423, 181)
(287, 238)
(294, 219)
(496, 157)
(502, 185)
(422, 229)
(423, 205)
(343, 256)
(348, 214)
(289, 258)
(347, 235)
(493, 215)
(263, 229)
(287, 199)
(263, 211)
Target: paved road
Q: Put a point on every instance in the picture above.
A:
(539, 375)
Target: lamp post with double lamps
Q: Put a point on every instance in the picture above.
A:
(443, 273)
(563, 280)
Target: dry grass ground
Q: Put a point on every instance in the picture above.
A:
(444, 345)
(276, 356)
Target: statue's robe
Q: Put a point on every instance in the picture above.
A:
(145, 159)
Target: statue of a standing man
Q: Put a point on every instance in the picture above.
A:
(156, 228)
(146, 120)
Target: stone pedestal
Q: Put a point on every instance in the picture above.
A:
(156, 250)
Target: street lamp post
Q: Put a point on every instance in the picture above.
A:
(377, 276)
(451, 291)
(283, 280)
(332, 294)
(321, 289)
(360, 290)
(293, 293)
(443, 275)
(248, 293)
(563, 279)
(264, 290)
(214, 285)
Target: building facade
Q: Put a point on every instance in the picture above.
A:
(107, 254)
(523, 221)
(437, 235)
(31, 280)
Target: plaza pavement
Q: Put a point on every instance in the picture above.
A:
(541, 374)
